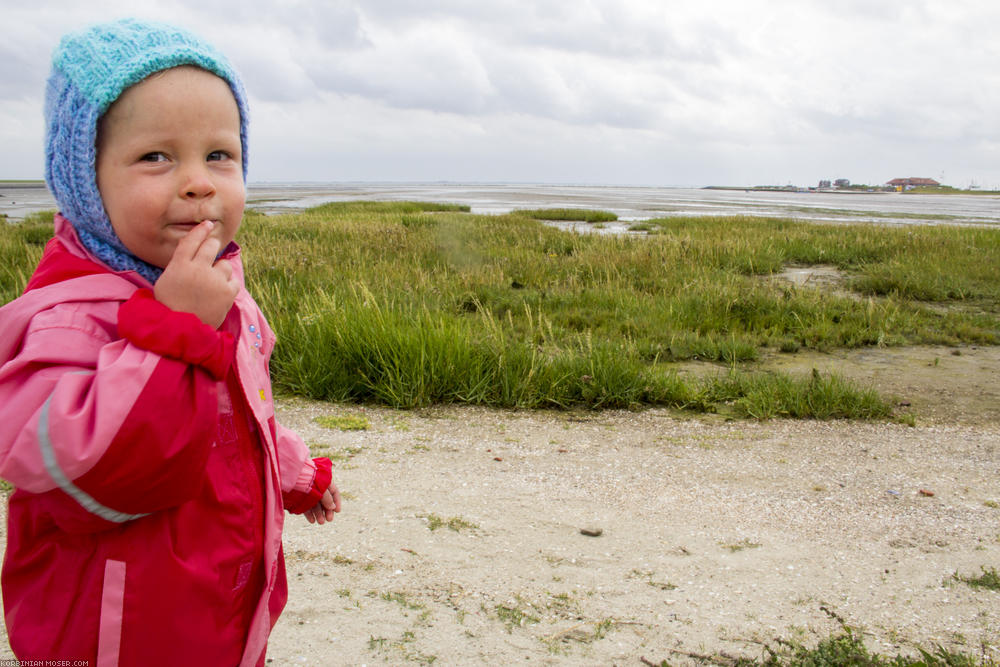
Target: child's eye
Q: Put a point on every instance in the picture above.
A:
(215, 156)
(155, 156)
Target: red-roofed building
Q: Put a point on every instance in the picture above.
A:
(912, 182)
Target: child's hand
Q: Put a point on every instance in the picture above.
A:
(194, 282)
(326, 507)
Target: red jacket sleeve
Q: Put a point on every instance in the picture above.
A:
(128, 422)
(147, 323)
(298, 502)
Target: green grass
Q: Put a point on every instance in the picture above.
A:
(989, 579)
(516, 615)
(21, 246)
(503, 310)
(848, 650)
(343, 422)
(410, 304)
(455, 523)
(379, 207)
(764, 396)
(568, 214)
(845, 648)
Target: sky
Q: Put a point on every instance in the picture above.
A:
(616, 92)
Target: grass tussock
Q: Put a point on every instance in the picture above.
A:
(989, 579)
(21, 246)
(411, 304)
(568, 214)
(845, 648)
(343, 422)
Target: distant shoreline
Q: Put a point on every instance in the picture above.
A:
(940, 190)
(27, 183)
(795, 188)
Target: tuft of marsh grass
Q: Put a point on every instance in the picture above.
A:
(401, 599)
(765, 396)
(989, 579)
(455, 523)
(842, 649)
(848, 649)
(36, 218)
(567, 214)
(21, 246)
(386, 207)
(516, 614)
(343, 422)
(741, 545)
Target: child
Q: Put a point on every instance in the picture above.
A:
(135, 401)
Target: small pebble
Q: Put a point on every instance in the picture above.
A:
(592, 532)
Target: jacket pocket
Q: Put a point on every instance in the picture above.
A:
(112, 608)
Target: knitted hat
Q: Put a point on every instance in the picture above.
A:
(90, 70)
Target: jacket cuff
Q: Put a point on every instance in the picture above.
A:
(150, 325)
(298, 502)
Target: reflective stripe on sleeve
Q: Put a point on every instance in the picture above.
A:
(86, 501)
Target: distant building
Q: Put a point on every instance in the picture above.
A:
(824, 184)
(842, 183)
(912, 182)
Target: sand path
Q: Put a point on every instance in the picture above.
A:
(716, 536)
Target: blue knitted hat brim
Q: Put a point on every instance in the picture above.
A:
(90, 70)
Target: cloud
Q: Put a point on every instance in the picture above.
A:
(631, 89)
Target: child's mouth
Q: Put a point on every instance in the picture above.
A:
(187, 226)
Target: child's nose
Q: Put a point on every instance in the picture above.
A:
(197, 183)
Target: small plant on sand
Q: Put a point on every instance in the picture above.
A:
(516, 614)
(989, 579)
(846, 648)
(402, 600)
(345, 454)
(741, 545)
(343, 422)
(648, 576)
(318, 448)
(602, 628)
(661, 585)
(455, 523)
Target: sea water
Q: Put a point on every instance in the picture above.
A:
(629, 203)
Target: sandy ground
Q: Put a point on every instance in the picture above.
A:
(461, 540)
(716, 536)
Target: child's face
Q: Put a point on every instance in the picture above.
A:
(168, 157)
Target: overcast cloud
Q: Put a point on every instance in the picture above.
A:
(597, 91)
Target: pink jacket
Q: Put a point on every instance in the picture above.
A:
(146, 525)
